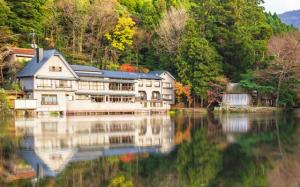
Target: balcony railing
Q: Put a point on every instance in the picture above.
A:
(25, 104)
(44, 86)
(63, 86)
(124, 88)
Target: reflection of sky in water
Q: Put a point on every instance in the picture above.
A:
(51, 143)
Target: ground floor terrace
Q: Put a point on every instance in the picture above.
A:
(69, 104)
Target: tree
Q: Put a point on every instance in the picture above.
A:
(74, 17)
(284, 66)
(4, 13)
(199, 161)
(197, 62)
(277, 25)
(120, 181)
(122, 35)
(182, 91)
(171, 28)
(102, 19)
(128, 68)
(28, 15)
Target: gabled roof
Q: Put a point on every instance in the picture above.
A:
(160, 72)
(32, 66)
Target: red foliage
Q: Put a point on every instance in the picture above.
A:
(128, 68)
(127, 157)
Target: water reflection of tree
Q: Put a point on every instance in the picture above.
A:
(198, 161)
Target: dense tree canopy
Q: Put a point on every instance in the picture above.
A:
(198, 41)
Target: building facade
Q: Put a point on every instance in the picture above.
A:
(236, 96)
(51, 84)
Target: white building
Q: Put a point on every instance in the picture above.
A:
(53, 85)
(235, 96)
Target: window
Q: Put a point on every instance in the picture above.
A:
(121, 86)
(49, 99)
(114, 86)
(156, 95)
(115, 99)
(148, 83)
(127, 87)
(157, 84)
(167, 97)
(167, 85)
(141, 84)
(55, 68)
(97, 99)
(142, 96)
(44, 83)
(91, 85)
(82, 97)
(121, 99)
(63, 84)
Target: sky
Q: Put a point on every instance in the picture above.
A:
(281, 6)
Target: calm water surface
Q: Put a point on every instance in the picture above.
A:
(176, 149)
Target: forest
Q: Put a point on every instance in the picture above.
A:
(204, 44)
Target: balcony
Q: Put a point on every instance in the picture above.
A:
(22, 104)
(43, 86)
(60, 86)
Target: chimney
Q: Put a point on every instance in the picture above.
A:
(39, 54)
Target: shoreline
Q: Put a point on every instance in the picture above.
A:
(248, 109)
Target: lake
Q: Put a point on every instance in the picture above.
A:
(181, 148)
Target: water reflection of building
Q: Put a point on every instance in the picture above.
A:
(54, 142)
(235, 123)
(229, 126)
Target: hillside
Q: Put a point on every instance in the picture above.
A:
(291, 18)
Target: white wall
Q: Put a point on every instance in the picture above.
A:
(148, 89)
(169, 91)
(55, 61)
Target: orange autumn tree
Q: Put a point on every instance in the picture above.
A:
(132, 68)
(215, 90)
(183, 91)
(128, 68)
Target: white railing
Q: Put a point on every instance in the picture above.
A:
(25, 104)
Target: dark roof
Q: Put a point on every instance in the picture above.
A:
(85, 71)
(160, 72)
(32, 66)
(89, 71)
(85, 68)
(130, 75)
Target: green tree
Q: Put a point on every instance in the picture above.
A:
(198, 161)
(28, 15)
(277, 25)
(4, 13)
(197, 62)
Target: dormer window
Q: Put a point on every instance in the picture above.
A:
(55, 68)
